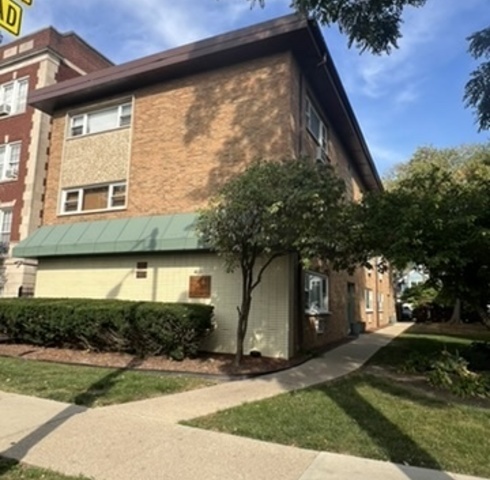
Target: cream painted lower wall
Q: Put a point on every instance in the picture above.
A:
(168, 281)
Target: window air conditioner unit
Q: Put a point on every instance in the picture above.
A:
(321, 156)
(11, 173)
(4, 109)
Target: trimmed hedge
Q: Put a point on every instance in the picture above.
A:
(142, 328)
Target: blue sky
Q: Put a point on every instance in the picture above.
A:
(410, 98)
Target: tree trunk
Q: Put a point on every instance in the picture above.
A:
(484, 315)
(243, 314)
(456, 315)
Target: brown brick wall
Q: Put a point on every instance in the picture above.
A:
(68, 46)
(190, 135)
(18, 128)
(336, 323)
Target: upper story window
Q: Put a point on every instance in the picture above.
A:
(9, 161)
(5, 226)
(101, 120)
(13, 97)
(317, 129)
(316, 293)
(368, 299)
(94, 198)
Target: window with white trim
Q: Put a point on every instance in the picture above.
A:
(316, 127)
(94, 198)
(13, 96)
(101, 120)
(9, 161)
(5, 225)
(316, 293)
(368, 299)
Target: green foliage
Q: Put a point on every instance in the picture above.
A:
(436, 213)
(369, 25)
(417, 362)
(420, 295)
(450, 371)
(375, 25)
(273, 209)
(107, 325)
(477, 90)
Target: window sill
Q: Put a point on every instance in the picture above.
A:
(8, 180)
(369, 310)
(10, 115)
(90, 212)
(318, 314)
(85, 135)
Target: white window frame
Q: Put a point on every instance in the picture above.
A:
(323, 280)
(79, 201)
(16, 103)
(9, 172)
(320, 137)
(369, 299)
(124, 119)
(5, 232)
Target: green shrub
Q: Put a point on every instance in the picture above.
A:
(450, 371)
(416, 363)
(144, 328)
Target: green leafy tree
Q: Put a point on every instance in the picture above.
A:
(436, 213)
(375, 26)
(270, 210)
(477, 90)
(420, 295)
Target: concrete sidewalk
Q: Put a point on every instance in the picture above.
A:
(142, 441)
(197, 403)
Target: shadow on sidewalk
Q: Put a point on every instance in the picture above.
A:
(399, 447)
(83, 400)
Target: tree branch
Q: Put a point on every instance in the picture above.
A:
(262, 269)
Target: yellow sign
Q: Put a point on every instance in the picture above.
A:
(11, 12)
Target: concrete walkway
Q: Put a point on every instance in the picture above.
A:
(141, 440)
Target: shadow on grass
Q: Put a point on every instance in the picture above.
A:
(398, 447)
(19, 450)
(7, 465)
(101, 387)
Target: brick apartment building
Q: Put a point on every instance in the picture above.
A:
(138, 148)
(32, 62)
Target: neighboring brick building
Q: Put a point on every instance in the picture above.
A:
(137, 148)
(32, 62)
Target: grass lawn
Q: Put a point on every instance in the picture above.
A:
(429, 339)
(88, 386)
(12, 470)
(373, 417)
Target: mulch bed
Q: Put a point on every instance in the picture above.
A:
(206, 364)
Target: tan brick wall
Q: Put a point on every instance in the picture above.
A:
(99, 158)
(336, 323)
(168, 281)
(190, 135)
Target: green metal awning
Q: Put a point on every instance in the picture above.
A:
(161, 233)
